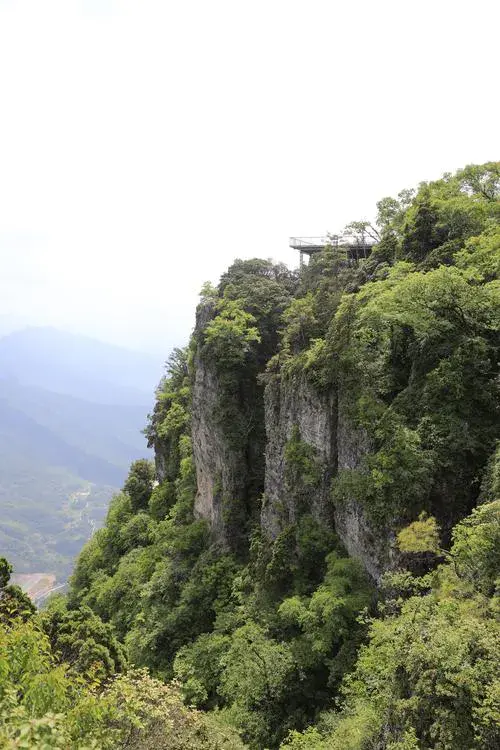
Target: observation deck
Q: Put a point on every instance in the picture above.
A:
(355, 246)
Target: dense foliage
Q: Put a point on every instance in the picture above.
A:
(428, 676)
(413, 348)
(282, 636)
(60, 687)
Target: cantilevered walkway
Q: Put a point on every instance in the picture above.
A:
(356, 247)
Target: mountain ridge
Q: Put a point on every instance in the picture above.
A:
(66, 431)
(78, 365)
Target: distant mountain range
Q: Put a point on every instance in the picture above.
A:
(71, 414)
(78, 366)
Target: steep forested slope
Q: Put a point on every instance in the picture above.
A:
(316, 555)
(63, 686)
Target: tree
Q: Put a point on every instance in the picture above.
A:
(420, 536)
(258, 674)
(391, 212)
(14, 602)
(427, 677)
(139, 483)
(80, 639)
(482, 180)
(363, 231)
(5, 572)
(230, 335)
(476, 548)
(301, 324)
(45, 706)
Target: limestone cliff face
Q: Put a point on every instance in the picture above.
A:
(351, 522)
(208, 447)
(227, 445)
(220, 466)
(229, 456)
(162, 452)
(293, 405)
(323, 423)
(213, 462)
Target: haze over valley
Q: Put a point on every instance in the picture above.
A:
(72, 411)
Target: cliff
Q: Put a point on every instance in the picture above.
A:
(220, 449)
(316, 444)
(293, 411)
(268, 445)
(342, 406)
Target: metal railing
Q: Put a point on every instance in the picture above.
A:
(300, 242)
(307, 243)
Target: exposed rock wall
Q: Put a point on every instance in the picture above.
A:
(224, 465)
(351, 523)
(210, 457)
(293, 404)
(323, 422)
(227, 436)
(214, 463)
(161, 457)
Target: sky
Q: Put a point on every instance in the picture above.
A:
(145, 144)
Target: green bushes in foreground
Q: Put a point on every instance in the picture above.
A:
(428, 677)
(59, 689)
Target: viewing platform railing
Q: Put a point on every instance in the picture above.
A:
(312, 244)
(305, 243)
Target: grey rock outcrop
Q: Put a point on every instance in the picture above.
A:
(323, 422)
(225, 466)
(228, 437)
(351, 522)
(289, 405)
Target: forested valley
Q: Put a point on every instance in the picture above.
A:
(312, 561)
(71, 414)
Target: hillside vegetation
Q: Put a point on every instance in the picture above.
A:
(316, 557)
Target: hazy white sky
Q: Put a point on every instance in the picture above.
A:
(144, 144)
